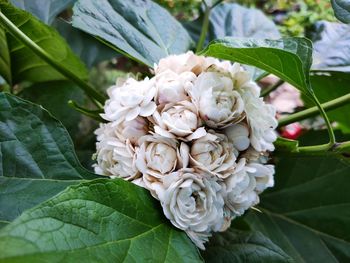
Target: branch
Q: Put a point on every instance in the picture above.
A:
(204, 29)
(311, 112)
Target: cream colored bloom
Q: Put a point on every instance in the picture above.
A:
(171, 87)
(178, 120)
(132, 130)
(182, 63)
(215, 154)
(114, 157)
(242, 188)
(261, 120)
(134, 98)
(263, 174)
(219, 105)
(238, 135)
(158, 156)
(193, 202)
(239, 192)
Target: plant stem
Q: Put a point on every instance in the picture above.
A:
(342, 147)
(204, 29)
(301, 115)
(328, 123)
(96, 97)
(315, 148)
(271, 88)
(94, 114)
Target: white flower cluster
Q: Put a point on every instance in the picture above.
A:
(196, 135)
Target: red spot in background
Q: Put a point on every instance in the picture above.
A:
(292, 131)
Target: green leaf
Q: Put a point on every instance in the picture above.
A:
(46, 10)
(97, 221)
(89, 49)
(54, 97)
(331, 85)
(5, 64)
(3, 223)
(342, 10)
(234, 20)
(331, 46)
(242, 246)
(25, 65)
(288, 58)
(307, 213)
(18, 194)
(37, 158)
(140, 29)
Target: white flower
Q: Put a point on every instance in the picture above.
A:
(196, 135)
(215, 154)
(114, 157)
(219, 105)
(238, 135)
(252, 155)
(132, 130)
(172, 86)
(242, 188)
(158, 156)
(181, 63)
(235, 72)
(192, 202)
(263, 174)
(178, 120)
(134, 98)
(261, 120)
(239, 192)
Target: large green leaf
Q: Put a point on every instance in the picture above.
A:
(307, 213)
(342, 10)
(140, 28)
(329, 86)
(37, 158)
(25, 65)
(98, 221)
(331, 46)
(88, 48)
(242, 246)
(45, 10)
(234, 20)
(54, 97)
(5, 64)
(288, 58)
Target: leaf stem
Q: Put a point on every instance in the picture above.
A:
(204, 29)
(95, 96)
(327, 106)
(327, 121)
(315, 148)
(340, 147)
(271, 88)
(94, 114)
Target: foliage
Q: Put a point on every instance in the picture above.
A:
(52, 209)
(150, 38)
(341, 10)
(24, 64)
(304, 14)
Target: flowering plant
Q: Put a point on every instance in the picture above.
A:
(196, 135)
(187, 153)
